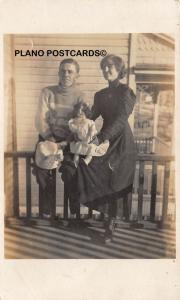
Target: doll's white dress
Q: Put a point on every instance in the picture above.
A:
(86, 131)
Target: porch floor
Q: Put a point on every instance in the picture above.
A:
(43, 241)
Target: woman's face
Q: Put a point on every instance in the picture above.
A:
(109, 71)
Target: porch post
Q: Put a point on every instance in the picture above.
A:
(156, 114)
(10, 127)
(131, 64)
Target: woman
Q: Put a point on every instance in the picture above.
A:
(110, 177)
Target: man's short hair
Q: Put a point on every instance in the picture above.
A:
(70, 61)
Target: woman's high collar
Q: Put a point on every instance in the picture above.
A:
(114, 84)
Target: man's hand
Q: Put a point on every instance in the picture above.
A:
(75, 137)
(59, 156)
(51, 139)
(62, 145)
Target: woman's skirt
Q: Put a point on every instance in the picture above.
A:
(105, 180)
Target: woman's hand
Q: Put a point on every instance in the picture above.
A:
(106, 142)
(94, 140)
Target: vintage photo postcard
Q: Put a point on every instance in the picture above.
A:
(90, 150)
(89, 145)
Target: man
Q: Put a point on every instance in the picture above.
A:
(55, 106)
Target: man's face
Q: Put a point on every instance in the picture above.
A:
(67, 74)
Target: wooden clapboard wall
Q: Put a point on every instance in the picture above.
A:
(34, 73)
(8, 122)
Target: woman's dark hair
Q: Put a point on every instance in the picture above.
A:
(70, 61)
(117, 61)
(85, 108)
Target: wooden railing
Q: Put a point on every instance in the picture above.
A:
(142, 160)
(144, 145)
(151, 145)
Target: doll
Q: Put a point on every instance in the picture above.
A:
(85, 132)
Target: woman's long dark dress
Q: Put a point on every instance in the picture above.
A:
(108, 177)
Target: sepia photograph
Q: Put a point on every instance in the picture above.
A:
(89, 146)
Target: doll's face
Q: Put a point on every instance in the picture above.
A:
(80, 113)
